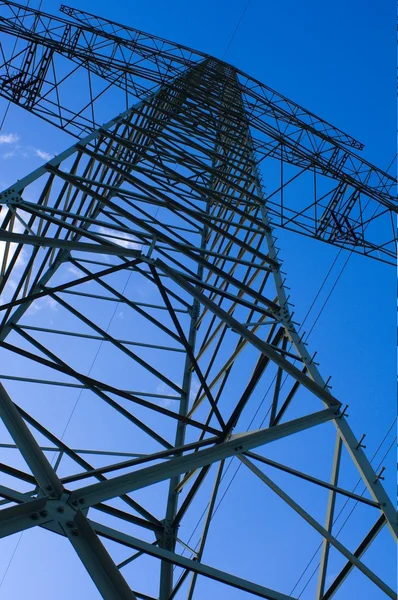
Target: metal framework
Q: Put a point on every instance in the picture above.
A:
(151, 242)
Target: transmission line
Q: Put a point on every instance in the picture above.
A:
(342, 509)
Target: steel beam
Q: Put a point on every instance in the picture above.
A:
(99, 565)
(29, 448)
(186, 563)
(324, 533)
(95, 493)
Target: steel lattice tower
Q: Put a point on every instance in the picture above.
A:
(167, 197)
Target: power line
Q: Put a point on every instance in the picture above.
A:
(342, 509)
(236, 28)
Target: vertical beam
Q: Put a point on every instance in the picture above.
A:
(363, 546)
(330, 538)
(208, 518)
(329, 519)
(277, 389)
(170, 530)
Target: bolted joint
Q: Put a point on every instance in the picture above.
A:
(64, 256)
(195, 310)
(10, 196)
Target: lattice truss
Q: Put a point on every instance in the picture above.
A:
(149, 245)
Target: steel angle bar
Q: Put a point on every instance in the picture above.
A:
(187, 346)
(191, 493)
(331, 486)
(92, 494)
(323, 566)
(368, 475)
(73, 454)
(363, 546)
(101, 338)
(119, 345)
(89, 383)
(34, 240)
(225, 257)
(209, 335)
(160, 235)
(15, 496)
(206, 525)
(141, 459)
(101, 568)
(45, 475)
(18, 474)
(237, 299)
(98, 388)
(265, 348)
(23, 516)
(186, 563)
(324, 533)
(134, 305)
(259, 369)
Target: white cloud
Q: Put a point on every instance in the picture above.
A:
(123, 239)
(9, 154)
(164, 389)
(16, 151)
(75, 271)
(195, 385)
(43, 154)
(45, 302)
(21, 150)
(9, 138)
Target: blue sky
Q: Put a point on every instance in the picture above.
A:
(338, 61)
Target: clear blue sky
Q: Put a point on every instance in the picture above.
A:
(338, 60)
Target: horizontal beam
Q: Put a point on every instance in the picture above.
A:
(23, 516)
(262, 346)
(36, 240)
(312, 479)
(186, 563)
(321, 530)
(100, 492)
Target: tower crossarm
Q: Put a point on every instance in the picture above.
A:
(108, 48)
(285, 109)
(45, 57)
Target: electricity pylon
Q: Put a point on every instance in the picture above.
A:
(143, 296)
